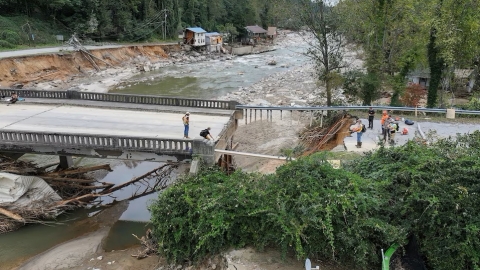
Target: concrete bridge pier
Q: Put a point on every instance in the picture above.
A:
(65, 162)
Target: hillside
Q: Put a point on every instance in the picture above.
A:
(17, 31)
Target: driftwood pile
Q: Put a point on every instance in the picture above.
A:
(74, 187)
(149, 244)
(317, 137)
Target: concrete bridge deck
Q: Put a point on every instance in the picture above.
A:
(106, 121)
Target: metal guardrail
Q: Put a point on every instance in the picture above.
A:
(125, 98)
(103, 142)
(337, 108)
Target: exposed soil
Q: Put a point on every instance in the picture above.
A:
(65, 67)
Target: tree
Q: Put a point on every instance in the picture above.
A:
(326, 43)
(413, 94)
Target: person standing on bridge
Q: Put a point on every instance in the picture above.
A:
(186, 124)
(371, 115)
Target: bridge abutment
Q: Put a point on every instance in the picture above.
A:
(65, 162)
(205, 150)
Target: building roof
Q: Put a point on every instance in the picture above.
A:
(272, 31)
(463, 73)
(256, 29)
(196, 29)
(212, 34)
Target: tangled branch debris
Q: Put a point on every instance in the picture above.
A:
(318, 137)
(74, 187)
(149, 244)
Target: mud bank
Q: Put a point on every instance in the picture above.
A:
(61, 68)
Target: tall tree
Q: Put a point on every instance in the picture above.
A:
(326, 43)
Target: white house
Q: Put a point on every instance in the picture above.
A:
(194, 36)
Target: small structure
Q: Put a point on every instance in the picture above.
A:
(272, 32)
(256, 32)
(214, 42)
(463, 79)
(194, 36)
(420, 77)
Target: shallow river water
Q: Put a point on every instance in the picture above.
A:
(214, 78)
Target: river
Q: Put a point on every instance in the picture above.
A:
(214, 78)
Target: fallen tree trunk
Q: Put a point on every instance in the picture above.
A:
(76, 180)
(82, 170)
(136, 179)
(11, 215)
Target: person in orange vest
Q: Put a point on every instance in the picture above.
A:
(382, 123)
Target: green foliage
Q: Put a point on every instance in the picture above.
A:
(6, 44)
(347, 214)
(473, 104)
(208, 213)
(134, 20)
(15, 31)
(363, 86)
(307, 207)
(433, 195)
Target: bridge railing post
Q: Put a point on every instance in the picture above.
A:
(73, 94)
(204, 149)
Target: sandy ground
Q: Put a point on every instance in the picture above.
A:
(268, 138)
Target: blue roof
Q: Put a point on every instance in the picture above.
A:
(196, 29)
(212, 34)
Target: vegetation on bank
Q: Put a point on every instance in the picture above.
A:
(347, 215)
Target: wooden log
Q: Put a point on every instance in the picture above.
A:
(135, 179)
(91, 187)
(11, 215)
(81, 170)
(48, 166)
(76, 180)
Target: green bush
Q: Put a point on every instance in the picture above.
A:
(307, 207)
(349, 214)
(433, 193)
(6, 44)
(473, 104)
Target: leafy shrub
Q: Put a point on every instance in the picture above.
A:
(10, 37)
(5, 44)
(434, 195)
(473, 104)
(307, 207)
(384, 197)
(208, 213)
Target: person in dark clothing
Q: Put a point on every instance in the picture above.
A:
(206, 134)
(14, 98)
(371, 115)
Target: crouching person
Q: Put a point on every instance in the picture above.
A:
(206, 134)
(13, 98)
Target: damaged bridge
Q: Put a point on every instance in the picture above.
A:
(120, 127)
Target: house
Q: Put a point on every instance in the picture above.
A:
(419, 76)
(194, 36)
(463, 79)
(255, 32)
(272, 32)
(214, 42)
